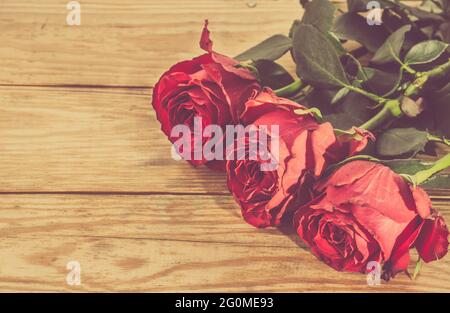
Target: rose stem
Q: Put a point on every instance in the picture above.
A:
(421, 78)
(439, 70)
(391, 108)
(369, 95)
(439, 165)
(438, 139)
(289, 89)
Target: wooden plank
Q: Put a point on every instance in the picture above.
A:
(125, 43)
(167, 217)
(90, 140)
(165, 243)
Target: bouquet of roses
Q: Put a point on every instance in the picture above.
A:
(329, 152)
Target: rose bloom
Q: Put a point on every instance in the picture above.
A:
(365, 212)
(209, 87)
(305, 149)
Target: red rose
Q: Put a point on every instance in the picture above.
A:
(209, 87)
(266, 196)
(365, 212)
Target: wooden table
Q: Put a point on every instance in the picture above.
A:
(86, 174)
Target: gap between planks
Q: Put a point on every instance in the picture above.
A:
(60, 141)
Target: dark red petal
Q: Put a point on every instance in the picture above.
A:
(399, 258)
(349, 173)
(230, 65)
(432, 243)
(205, 42)
(322, 139)
(264, 102)
(190, 66)
(235, 89)
(217, 165)
(378, 187)
(384, 229)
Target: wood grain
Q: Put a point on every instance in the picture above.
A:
(127, 43)
(166, 243)
(90, 140)
(86, 174)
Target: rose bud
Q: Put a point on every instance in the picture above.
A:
(266, 196)
(365, 212)
(207, 90)
(411, 107)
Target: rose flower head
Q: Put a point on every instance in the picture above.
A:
(266, 196)
(365, 212)
(207, 90)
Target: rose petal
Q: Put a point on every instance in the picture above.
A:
(205, 42)
(399, 259)
(423, 201)
(432, 243)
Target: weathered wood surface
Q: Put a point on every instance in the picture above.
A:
(165, 243)
(86, 174)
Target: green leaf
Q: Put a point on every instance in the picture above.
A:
(270, 49)
(294, 27)
(440, 104)
(340, 94)
(445, 6)
(444, 32)
(335, 41)
(351, 111)
(431, 6)
(357, 106)
(390, 50)
(380, 82)
(339, 120)
(361, 5)
(365, 74)
(407, 166)
(352, 26)
(272, 74)
(398, 142)
(391, 20)
(316, 58)
(425, 52)
(319, 13)
(424, 15)
(320, 98)
(412, 166)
